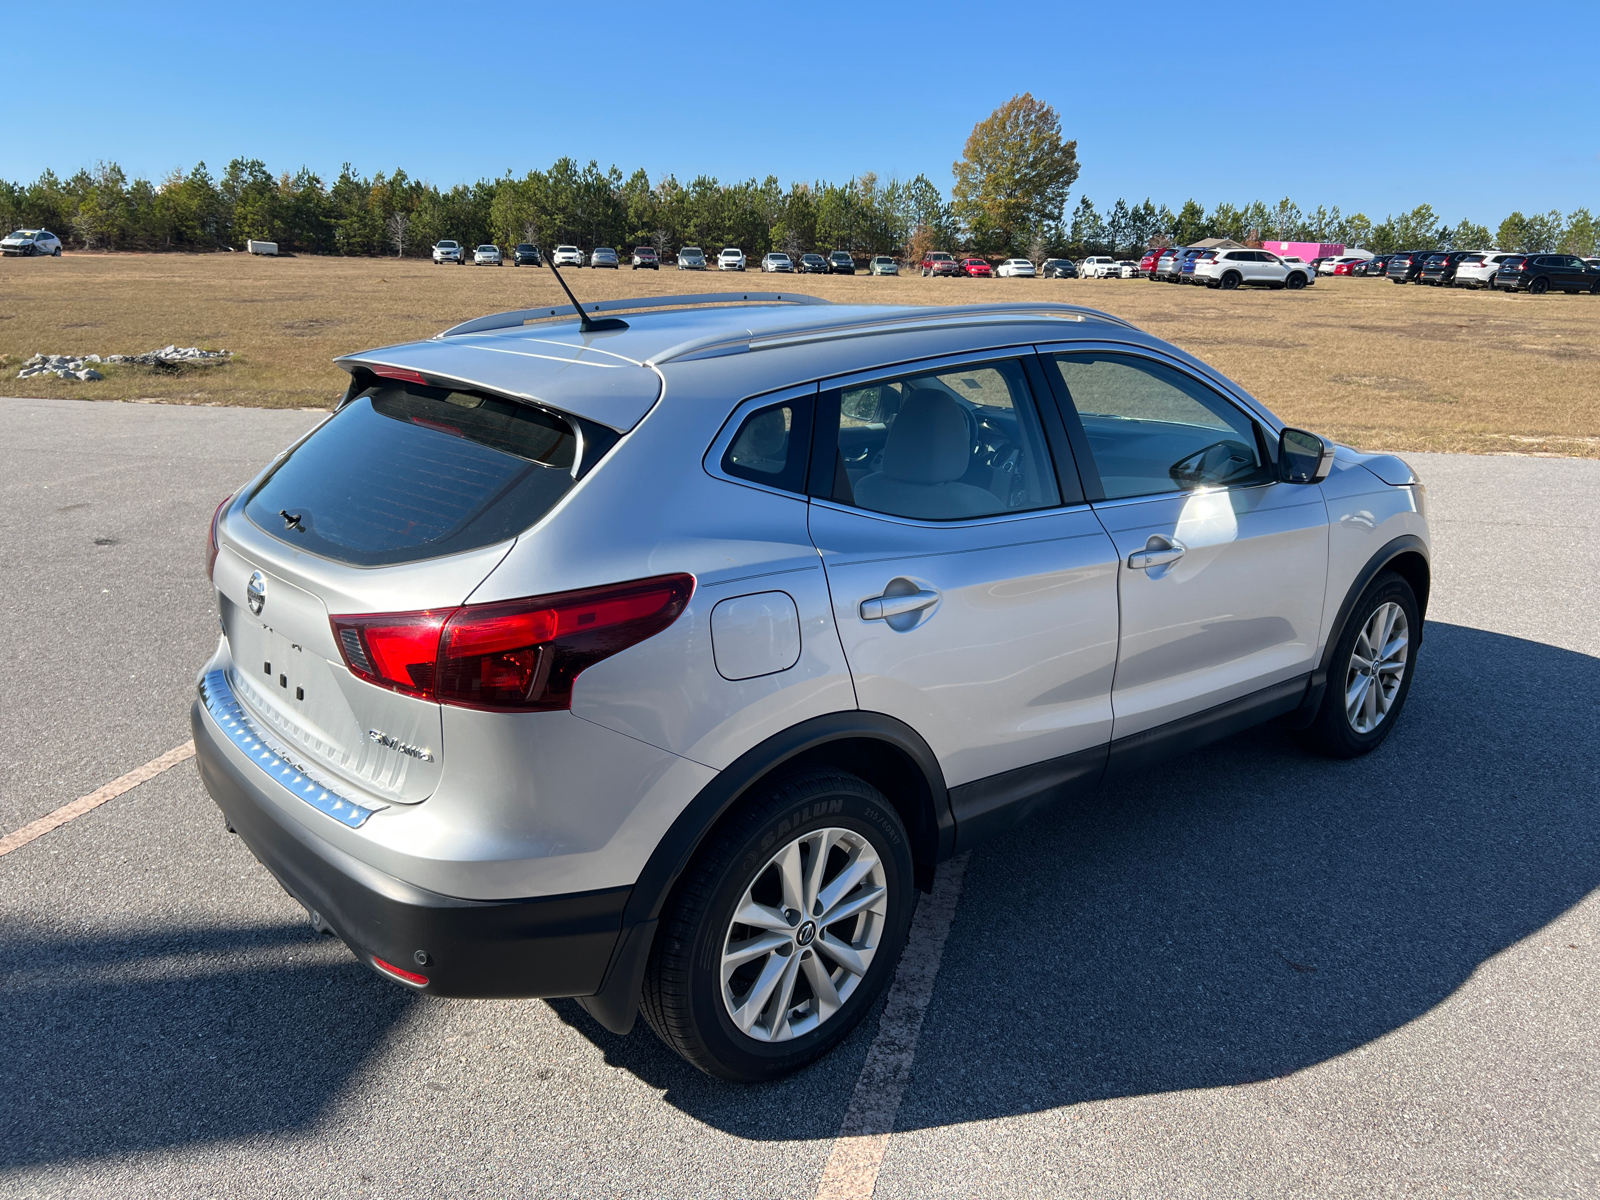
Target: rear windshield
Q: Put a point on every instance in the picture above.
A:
(405, 472)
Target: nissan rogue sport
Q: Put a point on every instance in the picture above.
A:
(658, 660)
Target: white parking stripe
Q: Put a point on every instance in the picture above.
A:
(126, 783)
(852, 1170)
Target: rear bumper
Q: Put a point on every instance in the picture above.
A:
(548, 946)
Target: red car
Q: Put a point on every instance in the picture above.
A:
(977, 268)
(1147, 264)
(1349, 268)
(939, 263)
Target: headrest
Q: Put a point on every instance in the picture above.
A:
(763, 436)
(928, 440)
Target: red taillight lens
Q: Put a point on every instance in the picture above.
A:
(525, 654)
(520, 655)
(400, 973)
(211, 537)
(399, 651)
(400, 373)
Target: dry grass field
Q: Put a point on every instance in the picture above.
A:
(1374, 365)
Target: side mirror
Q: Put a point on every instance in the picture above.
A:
(1303, 457)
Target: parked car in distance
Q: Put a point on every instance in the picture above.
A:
(777, 261)
(1439, 270)
(29, 243)
(1541, 273)
(1098, 266)
(731, 259)
(605, 256)
(882, 264)
(691, 258)
(645, 257)
(1171, 267)
(526, 254)
(567, 256)
(813, 264)
(1016, 268)
(487, 256)
(840, 263)
(941, 265)
(1477, 270)
(657, 717)
(1058, 268)
(1228, 269)
(1377, 268)
(1349, 268)
(1406, 266)
(1325, 266)
(1147, 264)
(1127, 268)
(976, 268)
(446, 251)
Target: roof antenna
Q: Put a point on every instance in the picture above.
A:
(586, 323)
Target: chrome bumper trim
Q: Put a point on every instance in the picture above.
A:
(230, 717)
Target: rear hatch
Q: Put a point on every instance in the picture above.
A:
(400, 503)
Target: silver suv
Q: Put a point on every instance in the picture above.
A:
(658, 660)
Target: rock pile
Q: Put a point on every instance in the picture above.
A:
(67, 366)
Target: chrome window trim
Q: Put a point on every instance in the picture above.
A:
(890, 371)
(1000, 518)
(712, 460)
(276, 765)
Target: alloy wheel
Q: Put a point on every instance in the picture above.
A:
(1377, 667)
(804, 934)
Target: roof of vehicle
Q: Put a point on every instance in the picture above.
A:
(615, 376)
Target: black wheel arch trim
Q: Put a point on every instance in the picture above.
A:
(616, 1004)
(1406, 543)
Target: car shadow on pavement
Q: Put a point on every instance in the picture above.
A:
(1245, 911)
(119, 1044)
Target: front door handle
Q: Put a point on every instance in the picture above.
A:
(881, 607)
(1157, 552)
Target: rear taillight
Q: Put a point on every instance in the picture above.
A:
(515, 655)
(211, 537)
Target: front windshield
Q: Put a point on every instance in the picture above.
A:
(23, 235)
(447, 245)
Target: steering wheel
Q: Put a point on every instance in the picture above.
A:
(1216, 463)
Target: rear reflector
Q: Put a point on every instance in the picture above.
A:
(510, 656)
(402, 975)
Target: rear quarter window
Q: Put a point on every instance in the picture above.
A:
(404, 472)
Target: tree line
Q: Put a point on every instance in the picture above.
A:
(1010, 197)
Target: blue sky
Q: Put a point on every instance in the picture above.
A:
(1373, 107)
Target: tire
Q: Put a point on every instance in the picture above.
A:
(1295, 282)
(1230, 281)
(690, 993)
(56, 253)
(1538, 287)
(1333, 731)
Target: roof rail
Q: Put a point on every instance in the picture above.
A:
(899, 319)
(521, 316)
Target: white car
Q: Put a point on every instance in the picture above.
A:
(487, 256)
(447, 251)
(778, 261)
(567, 256)
(1478, 270)
(28, 242)
(1127, 268)
(731, 259)
(1326, 266)
(1016, 268)
(1228, 269)
(1098, 267)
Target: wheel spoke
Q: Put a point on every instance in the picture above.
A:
(740, 953)
(755, 1001)
(820, 847)
(788, 863)
(759, 916)
(864, 899)
(862, 863)
(821, 986)
(1354, 697)
(778, 1027)
(843, 953)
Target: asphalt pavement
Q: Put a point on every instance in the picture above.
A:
(1248, 973)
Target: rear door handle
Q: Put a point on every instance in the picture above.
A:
(880, 607)
(1157, 552)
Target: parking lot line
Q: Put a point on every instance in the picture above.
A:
(852, 1169)
(83, 804)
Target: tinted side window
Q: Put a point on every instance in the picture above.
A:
(946, 445)
(772, 446)
(1154, 429)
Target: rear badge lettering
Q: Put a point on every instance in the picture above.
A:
(394, 743)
